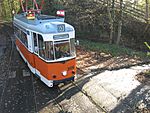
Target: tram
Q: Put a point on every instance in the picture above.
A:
(47, 44)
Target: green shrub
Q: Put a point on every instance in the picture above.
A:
(114, 50)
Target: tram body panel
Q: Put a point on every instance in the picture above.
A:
(57, 69)
(41, 66)
(31, 62)
(23, 50)
(54, 70)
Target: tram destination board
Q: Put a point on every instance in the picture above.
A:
(64, 36)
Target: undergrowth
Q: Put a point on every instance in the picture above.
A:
(114, 50)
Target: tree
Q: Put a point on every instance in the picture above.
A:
(51, 6)
(6, 8)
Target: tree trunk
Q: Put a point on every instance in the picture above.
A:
(119, 32)
(120, 23)
(111, 18)
(147, 18)
(0, 11)
(147, 10)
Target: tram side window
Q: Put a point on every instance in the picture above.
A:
(35, 40)
(41, 46)
(17, 32)
(35, 43)
(24, 38)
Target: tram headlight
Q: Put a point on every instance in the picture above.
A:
(64, 73)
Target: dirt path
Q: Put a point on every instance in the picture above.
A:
(116, 83)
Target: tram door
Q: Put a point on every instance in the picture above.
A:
(39, 54)
(35, 47)
(35, 43)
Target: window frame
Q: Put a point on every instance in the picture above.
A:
(33, 40)
(41, 45)
(21, 35)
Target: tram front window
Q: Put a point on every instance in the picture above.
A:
(49, 52)
(62, 50)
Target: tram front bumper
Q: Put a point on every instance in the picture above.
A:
(51, 83)
(56, 82)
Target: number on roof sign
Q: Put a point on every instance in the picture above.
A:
(61, 28)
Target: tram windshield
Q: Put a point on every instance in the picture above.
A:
(64, 49)
(60, 49)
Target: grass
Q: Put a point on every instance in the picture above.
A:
(114, 50)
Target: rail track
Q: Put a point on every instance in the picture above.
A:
(49, 97)
(8, 64)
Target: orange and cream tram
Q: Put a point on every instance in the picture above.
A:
(47, 45)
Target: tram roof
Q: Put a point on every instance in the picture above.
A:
(43, 23)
